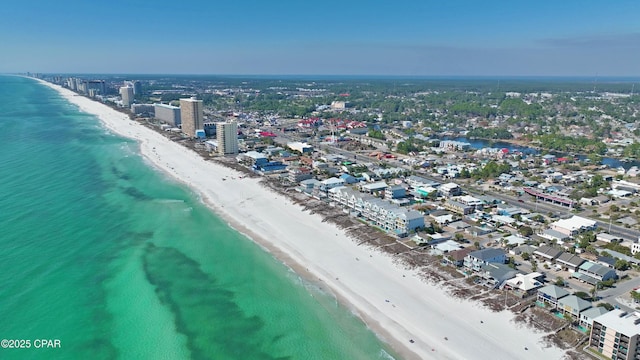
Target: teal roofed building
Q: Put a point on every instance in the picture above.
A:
(550, 295)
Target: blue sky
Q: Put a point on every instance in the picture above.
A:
(354, 37)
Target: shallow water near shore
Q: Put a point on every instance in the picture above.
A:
(116, 260)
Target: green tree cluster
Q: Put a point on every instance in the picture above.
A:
(376, 134)
(572, 144)
(490, 133)
(491, 169)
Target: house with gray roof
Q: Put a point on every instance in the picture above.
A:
(570, 261)
(522, 249)
(620, 256)
(608, 238)
(573, 305)
(607, 261)
(554, 235)
(550, 295)
(593, 273)
(587, 316)
(417, 182)
(547, 253)
(474, 260)
(307, 186)
(331, 183)
(456, 257)
(495, 274)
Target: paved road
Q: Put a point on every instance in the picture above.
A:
(622, 288)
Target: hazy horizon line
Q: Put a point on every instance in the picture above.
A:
(594, 78)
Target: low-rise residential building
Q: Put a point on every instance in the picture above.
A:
(519, 250)
(450, 189)
(554, 235)
(374, 187)
(495, 274)
(514, 240)
(442, 217)
(587, 316)
(616, 335)
(574, 225)
(300, 147)
(467, 200)
(593, 273)
(608, 238)
(458, 207)
(425, 192)
(331, 183)
(444, 247)
(417, 182)
(525, 284)
(298, 174)
(569, 261)
(456, 257)
(477, 231)
(547, 253)
(381, 213)
(349, 179)
(573, 306)
(550, 295)
(269, 167)
(458, 225)
(476, 259)
(408, 220)
(252, 158)
(310, 185)
(395, 192)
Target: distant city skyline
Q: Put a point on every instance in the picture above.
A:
(405, 38)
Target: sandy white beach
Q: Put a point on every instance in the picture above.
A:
(393, 301)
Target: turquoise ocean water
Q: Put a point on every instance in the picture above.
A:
(117, 261)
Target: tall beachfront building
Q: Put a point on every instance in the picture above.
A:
(615, 335)
(137, 88)
(191, 115)
(167, 113)
(126, 92)
(227, 136)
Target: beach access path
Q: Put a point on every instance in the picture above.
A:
(419, 320)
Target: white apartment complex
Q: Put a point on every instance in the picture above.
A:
(168, 114)
(126, 92)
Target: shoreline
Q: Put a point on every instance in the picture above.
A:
(393, 302)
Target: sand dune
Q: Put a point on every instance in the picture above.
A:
(393, 301)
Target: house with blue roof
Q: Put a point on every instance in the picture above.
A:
(348, 179)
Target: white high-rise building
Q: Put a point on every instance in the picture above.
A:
(191, 115)
(167, 113)
(616, 335)
(126, 92)
(227, 136)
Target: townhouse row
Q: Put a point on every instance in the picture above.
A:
(381, 213)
